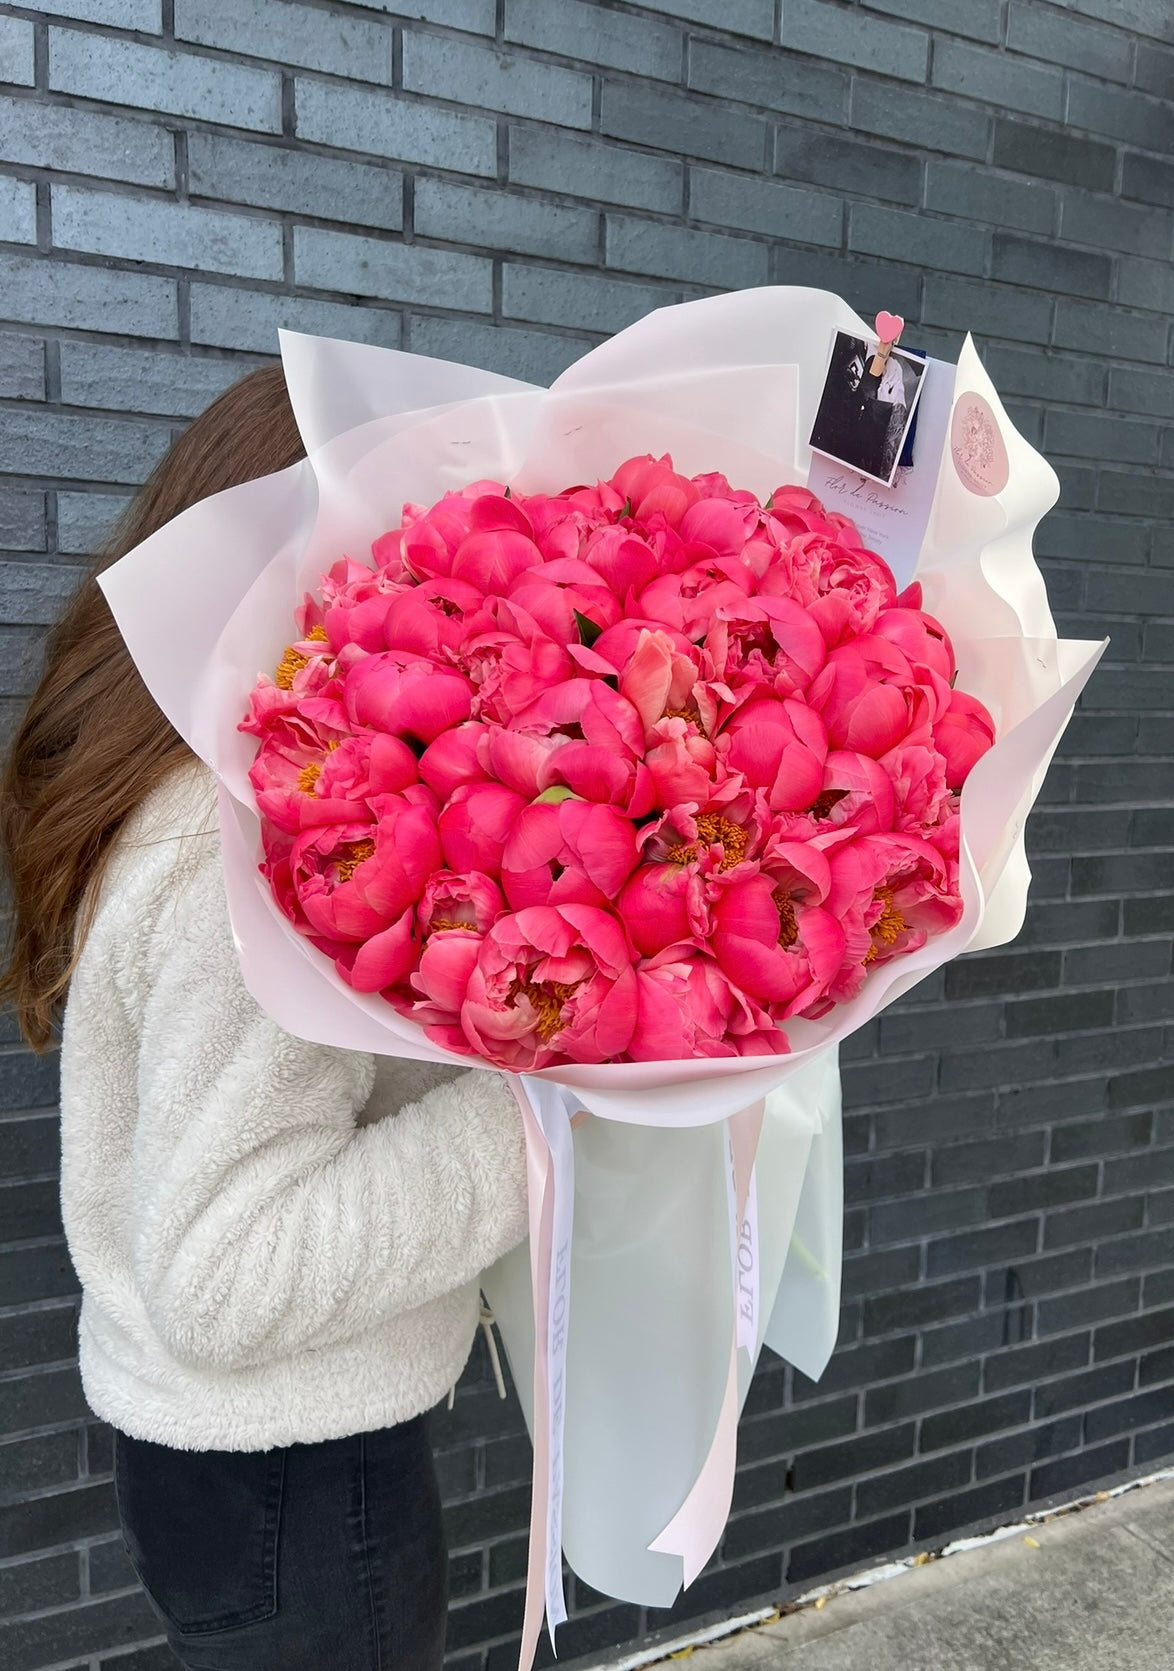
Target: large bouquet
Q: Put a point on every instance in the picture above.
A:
(627, 775)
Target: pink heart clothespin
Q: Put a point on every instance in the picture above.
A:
(888, 330)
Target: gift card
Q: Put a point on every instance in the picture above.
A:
(892, 517)
(864, 414)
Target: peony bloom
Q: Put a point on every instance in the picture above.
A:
(638, 770)
(890, 892)
(687, 1006)
(470, 902)
(779, 746)
(413, 700)
(476, 823)
(547, 983)
(871, 699)
(352, 886)
(962, 735)
(772, 934)
(565, 850)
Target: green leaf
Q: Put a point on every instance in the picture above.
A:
(554, 795)
(507, 494)
(589, 631)
(626, 508)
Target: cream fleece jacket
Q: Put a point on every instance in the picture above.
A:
(277, 1241)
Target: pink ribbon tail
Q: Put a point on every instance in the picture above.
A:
(695, 1530)
(541, 1210)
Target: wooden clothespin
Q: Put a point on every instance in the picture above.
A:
(888, 330)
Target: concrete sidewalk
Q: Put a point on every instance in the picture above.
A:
(1098, 1593)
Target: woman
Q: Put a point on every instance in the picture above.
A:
(278, 1243)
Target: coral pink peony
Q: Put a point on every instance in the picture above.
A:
(639, 770)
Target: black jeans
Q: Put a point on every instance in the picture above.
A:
(320, 1557)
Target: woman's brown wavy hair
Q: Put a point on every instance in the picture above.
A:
(92, 743)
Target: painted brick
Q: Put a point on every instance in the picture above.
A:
(399, 272)
(34, 594)
(739, 17)
(96, 449)
(1116, 226)
(849, 1549)
(994, 1502)
(1126, 115)
(170, 234)
(144, 15)
(250, 319)
(864, 285)
(848, 165)
(1093, 435)
(117, 71)
(545, 296)
(534, 356)
(1044, 267)
(18, 211)
(1062, 38)
(1147, 178)
(139, 380)
(764, 207)
(475, 17)
(772, 81)
(1145, 284)
(989, 309)
(673, 121)
(22, 520)
(871, 43)
(493, 220)
(1063, 377)
(87, 298)
(1007, 83)
(585, 32)
(16, 51)
(1155, 68)
(1132, 390)
(490, 80)
(977, 18)
(917, 239)
(271, 176)
(35, 1586)
(332, 42)
(81, 141)
(356, 119)
(981, 194)
(928, 121)
(1108, 330)
(76, 1631)
(22, 368)
(640, 246)
(85, 520)
(578, 167)
(1027, 149)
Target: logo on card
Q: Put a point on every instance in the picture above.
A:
(976, 447)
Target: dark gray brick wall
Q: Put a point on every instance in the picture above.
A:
(503, 181)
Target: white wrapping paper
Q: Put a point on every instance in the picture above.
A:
(730, 384)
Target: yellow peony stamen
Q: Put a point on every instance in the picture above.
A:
(888, 927)
(359, 851)
(293, 660)
(788, 927)
(547, 999)
(718, 831)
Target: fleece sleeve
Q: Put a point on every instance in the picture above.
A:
(266, 1221)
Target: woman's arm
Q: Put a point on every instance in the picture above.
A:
(265, 1221)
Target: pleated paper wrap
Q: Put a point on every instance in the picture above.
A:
(699, 1214)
